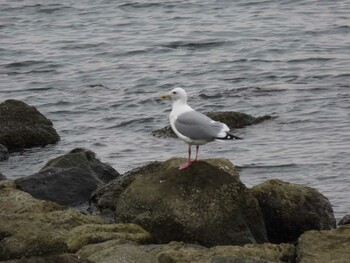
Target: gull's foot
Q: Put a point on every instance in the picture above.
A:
(185, 165)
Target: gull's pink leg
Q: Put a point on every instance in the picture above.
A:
(187, 164)
(197, 148)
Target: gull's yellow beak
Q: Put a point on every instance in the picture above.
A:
(165, 96)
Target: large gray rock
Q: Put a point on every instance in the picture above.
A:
(22, 126)
(233, 119)
(4, 154)
(205, 204)
(175, 252)
(291, 209)
(325, 246)
(69, 179)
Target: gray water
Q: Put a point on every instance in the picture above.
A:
(97, 69)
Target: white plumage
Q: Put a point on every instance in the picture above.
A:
(193, 127)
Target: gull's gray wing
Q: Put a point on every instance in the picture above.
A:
(198, 126)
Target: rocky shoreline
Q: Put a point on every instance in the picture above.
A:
(156, 213)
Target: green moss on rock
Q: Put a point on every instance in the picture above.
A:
(325, 246)
(291, 209)
(97, 233)
(205, 203)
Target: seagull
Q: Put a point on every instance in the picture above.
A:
(192, 126)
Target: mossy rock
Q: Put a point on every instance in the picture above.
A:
(96, 233)
(31, 227)
(23, 126)
(291, 209)
(233, 119)
(325, 246)
(178, 252)
(205, 204)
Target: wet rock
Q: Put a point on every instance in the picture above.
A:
(4, 154)
(177, 252)
(344, 221)
(69, 179)
(325, 246)
(205, 204)
(23, 126)
(91, 234)
(31, 227)
(290, 209)
(234, 120)
(2, 177)
(104, 199)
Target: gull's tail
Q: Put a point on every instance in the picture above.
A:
(230, 136)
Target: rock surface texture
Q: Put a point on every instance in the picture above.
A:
(205, 204)
(234, 120)
(22, 126)
(69, 179)
(31, 227)
(290, 209)
(176, 252)
(332, 246)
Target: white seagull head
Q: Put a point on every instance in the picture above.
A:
(177, 94)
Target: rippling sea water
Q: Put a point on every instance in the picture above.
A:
(97, 68)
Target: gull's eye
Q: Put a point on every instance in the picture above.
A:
(174, 92)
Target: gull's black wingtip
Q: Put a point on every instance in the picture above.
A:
(230, 136)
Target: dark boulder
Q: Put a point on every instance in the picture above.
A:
(205, 204)
(290, 209)
(4, 154)
(344, 221)
(234, 120)
(22, 126)
(69, 179)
